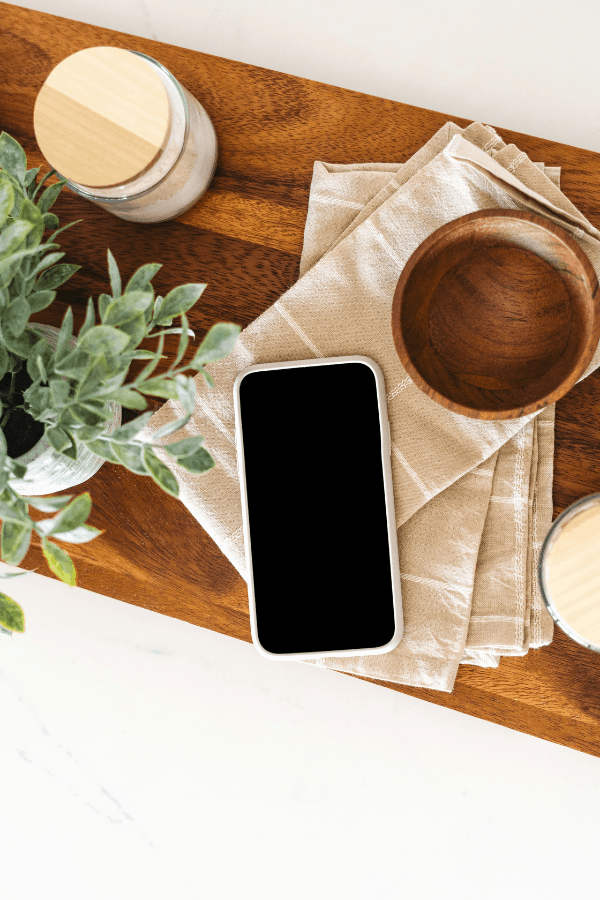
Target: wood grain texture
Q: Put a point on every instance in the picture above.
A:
(495, 314)
(102, 116)
(271, 128)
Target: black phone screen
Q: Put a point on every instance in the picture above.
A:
(316, 508)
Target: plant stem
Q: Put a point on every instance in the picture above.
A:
(11, 391)
(41, 182)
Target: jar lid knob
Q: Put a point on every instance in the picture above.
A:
(102, 116)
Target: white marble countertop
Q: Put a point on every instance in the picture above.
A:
(145, 757)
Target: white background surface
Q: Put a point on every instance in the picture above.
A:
(142, 757)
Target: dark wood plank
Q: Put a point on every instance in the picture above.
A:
(244, 238)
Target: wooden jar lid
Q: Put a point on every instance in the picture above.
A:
(101, 116)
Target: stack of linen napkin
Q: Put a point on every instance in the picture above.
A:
(473, 498)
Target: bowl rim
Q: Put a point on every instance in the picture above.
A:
(416, 258)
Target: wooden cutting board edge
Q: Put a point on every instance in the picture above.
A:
(517, 694)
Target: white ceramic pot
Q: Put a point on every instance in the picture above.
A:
(48, 471)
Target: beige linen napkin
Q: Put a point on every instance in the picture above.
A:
(473, 499)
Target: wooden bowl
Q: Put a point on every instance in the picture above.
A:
(495, 314)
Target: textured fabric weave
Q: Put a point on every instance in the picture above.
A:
(473, 499)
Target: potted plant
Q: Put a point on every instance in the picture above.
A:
(59, 392)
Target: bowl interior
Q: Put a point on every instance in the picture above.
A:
(496, 314)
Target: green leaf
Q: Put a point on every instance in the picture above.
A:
(159, 472)
(59, 562)
(11, 614)
(16, 316)
(159, 387)
(88, 415)
(89, 433)
(97, 406)
(18, 287)
(114, 275)
(99, 380)
(51, 221)
(128, 398)
(71, 451)
(209, 379)
(64, 335)
(40, 300)
(185, 447)
(75, 364)
(102, 447)
(15, 542)
(104, 301)
(54, 277)
(127, 307)
(170, 427)
(30, 213)
(183, 342)
(4, 362)
(128, 432)
(20, 196)
(158, 302)
(186, 392)
(90, 318)
(141, 354)
(176, 330)
(49, 504)
(60, 391)
(178, 301)
(64, 228)
(48, 260)
(58, 439)
(14, 236)
(17, 470)
(154, 361)
(35, 367)
(73, 515)
(9, 513)
(219, 341)
(37, 397)
(44, 248)
(42, 182)
(94, 378)
(12, 157)
(80, 535)
(10, 265)
(102, 340)
(198, 463)
(50, 196)
(42, 354)
(30, 176)
(7, 199)
(130, 456)
(136, 329)
(66, 419)
(140, 279)
(21, 345)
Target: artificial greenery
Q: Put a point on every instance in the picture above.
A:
(72, 387)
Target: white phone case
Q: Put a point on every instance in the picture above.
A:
(389, 505)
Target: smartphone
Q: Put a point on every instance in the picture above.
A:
(313, 447)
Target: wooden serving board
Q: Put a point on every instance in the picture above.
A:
(244, 238)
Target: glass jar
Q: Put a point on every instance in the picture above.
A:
(569, 571)
(182, 167)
